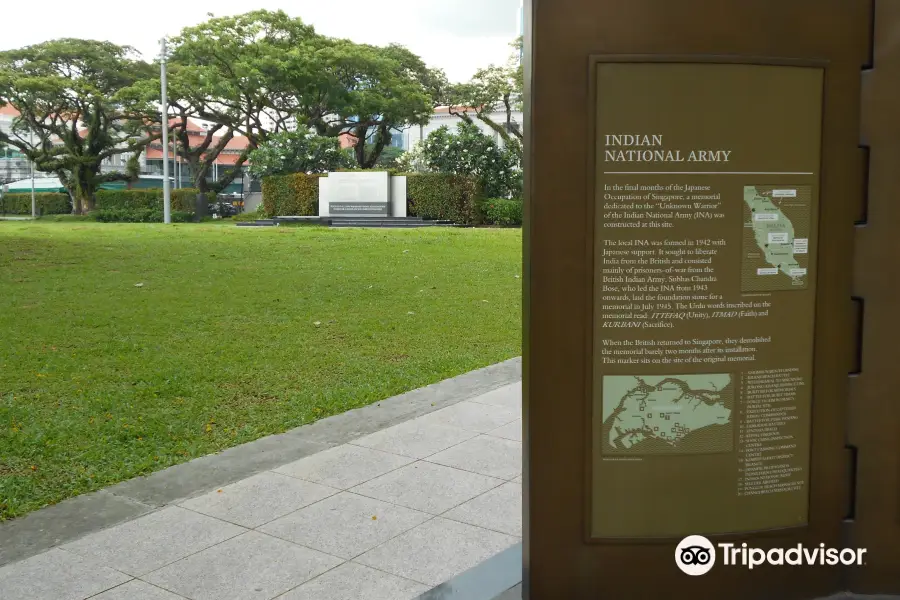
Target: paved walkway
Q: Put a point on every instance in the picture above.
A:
(385, 516)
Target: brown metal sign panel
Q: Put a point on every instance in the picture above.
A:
(711, 147)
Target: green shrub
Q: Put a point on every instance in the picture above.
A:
(253, 215)
(501, 211)
(67, 218)
(445, 197)
(183, 200)
(295, 195)
(469, 151)
(138, 215)
(47, 204)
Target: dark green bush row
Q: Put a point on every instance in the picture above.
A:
(295, 195)
(444, 197)
(503, 212)
(47, 204)
(183, 200)
(138, 215)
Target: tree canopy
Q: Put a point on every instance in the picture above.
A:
(372, 91)
(298, 152)
(494, 89)
(69, 94)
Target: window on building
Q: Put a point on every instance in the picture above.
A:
(398, 139)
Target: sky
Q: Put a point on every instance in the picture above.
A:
(459, 36)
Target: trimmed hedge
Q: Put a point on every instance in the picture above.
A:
(183, 200)
(444, 197)
(295, 195)
(138, 215)
(502, 211)
(52, 203)
(438, 196)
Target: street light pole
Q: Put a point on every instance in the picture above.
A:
(167, 192)
(33, 200)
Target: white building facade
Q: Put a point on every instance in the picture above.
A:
(442, 117)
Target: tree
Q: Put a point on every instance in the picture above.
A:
(491, 90)
(298, 152)
(389, 158)
(470, 152)
(72, 98)
(374, 90)
(231, 71)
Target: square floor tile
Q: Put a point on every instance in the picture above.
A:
(437, 551)
(415, 438)
(155, 540)
(57, 575)
(344, 466)
(259, 499)
(509, 396)
(345, 525)
(485, 455)
(510, 431)
(427, 487)
(499, 509)
(472, 416)
(252, 566)
(137, 590)
(351, 581)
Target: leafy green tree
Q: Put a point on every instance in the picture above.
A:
(226, 69)
(231, 71)
(470, 152)
(495, 89)
(374, 90)
(298, 152)
(76, 110)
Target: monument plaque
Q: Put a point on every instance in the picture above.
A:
(355, 194)
(707, 186)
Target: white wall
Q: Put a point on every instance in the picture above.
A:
(416, 134)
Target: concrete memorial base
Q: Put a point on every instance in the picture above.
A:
(362, 194)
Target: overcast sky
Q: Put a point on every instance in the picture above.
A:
(457, 35)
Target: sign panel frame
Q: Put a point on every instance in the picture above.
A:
(593, 236)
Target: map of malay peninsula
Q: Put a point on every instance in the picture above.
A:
(776, 237)
(667, 414)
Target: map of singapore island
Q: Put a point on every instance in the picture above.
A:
(667, 414)
(776, 237)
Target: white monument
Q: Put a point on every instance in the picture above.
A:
(362, 194)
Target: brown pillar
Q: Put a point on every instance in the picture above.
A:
(873, 408)
(704, 157)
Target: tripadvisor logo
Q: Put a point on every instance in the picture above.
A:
(696, 555)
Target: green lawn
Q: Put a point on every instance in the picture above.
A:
(236, 333)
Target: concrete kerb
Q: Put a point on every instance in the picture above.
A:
(80, 516)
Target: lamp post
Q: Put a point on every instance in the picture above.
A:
(167, 192)
(33, 198)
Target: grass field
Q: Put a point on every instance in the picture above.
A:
(233, 334)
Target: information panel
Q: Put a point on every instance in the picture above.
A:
(704, 297)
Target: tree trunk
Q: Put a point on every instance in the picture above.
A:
(87, 202)
(360, 147)
(201, 202)
(381, 140)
